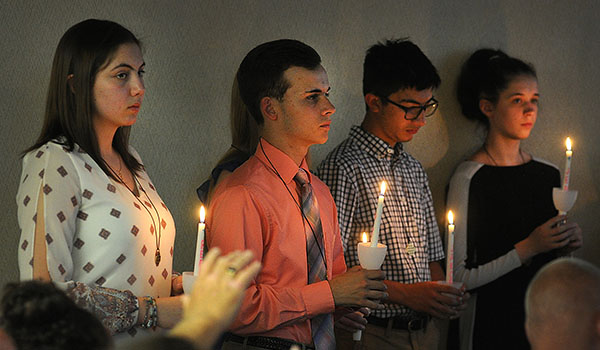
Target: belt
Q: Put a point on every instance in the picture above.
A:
(271, 343)
(409, 323)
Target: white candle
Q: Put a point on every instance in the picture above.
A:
(370, 257)
(375, 237)
(450, 255)
(200, 242)
(567, 165)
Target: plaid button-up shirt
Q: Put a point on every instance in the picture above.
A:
(353, 171)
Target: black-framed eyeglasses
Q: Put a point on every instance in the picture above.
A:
(412, 113)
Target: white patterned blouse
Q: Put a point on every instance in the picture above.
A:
(101, 239)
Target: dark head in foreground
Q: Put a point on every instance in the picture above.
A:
(37, 315)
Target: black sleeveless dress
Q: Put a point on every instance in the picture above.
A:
(505, 205)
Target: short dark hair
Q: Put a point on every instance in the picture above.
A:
(397, 65)
(484, 76)
(38, 315)
(82, 51)
(261, 72)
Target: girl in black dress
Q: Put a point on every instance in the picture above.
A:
(506, 226)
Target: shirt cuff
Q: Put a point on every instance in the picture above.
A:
(318, 299)
(513, 259)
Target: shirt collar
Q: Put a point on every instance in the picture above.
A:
(375, 146)
(274, 157)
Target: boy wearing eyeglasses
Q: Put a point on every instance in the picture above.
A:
(398, 86)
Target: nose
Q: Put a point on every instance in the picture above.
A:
(420, 121)
(530, 108)
(328, 108)
(137, 86)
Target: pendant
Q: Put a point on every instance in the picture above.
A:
(410, 249)
(157, 257)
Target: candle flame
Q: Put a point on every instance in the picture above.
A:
(568, 143)
(450, 218)
(365, 238)
(202, 214)
(382, 188)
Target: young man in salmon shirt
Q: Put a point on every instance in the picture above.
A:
(275, 207)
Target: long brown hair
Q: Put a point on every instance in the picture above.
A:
(82, 51)
(245, 132)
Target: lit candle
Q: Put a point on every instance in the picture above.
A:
(450, 255)
(370, 257)
(199, 242)
(567, 165)
(375, 237)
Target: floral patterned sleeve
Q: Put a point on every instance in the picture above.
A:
(116, 309)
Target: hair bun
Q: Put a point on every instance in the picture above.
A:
(485, 74)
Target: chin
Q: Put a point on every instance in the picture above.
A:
(523, 136)
(321, 140)
(130, 121)
(405, 138)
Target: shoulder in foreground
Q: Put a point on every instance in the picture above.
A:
(467, 169)
(246, 174)
(341, 152)
(317, 182)
(320, 186)
(135, 154)
(229, 192)
(52, 148)
(346, 155)
(544, 162)
(480, 157)
(414, 164)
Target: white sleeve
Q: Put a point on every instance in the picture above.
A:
(50, 169)
(458, 202)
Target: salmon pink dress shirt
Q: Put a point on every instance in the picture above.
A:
(252, 209)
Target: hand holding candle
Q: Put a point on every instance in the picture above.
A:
(375, 238)
(200, 242)
(450, 254)
(370, 257)
(567, 165)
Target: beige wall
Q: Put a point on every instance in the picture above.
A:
(192, 49)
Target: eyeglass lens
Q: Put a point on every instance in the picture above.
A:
(414, 112)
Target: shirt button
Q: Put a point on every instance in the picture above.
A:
(390, 151)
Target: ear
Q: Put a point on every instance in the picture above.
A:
(70, 83)
(374, 103)
(486, 107)
(268, 108)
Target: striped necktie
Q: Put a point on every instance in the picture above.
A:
(321, 325)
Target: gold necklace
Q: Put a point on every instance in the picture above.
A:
(158, 236)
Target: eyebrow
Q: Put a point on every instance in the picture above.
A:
(417, 102)
(316, 90)
(125, 65)
(522, 94)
